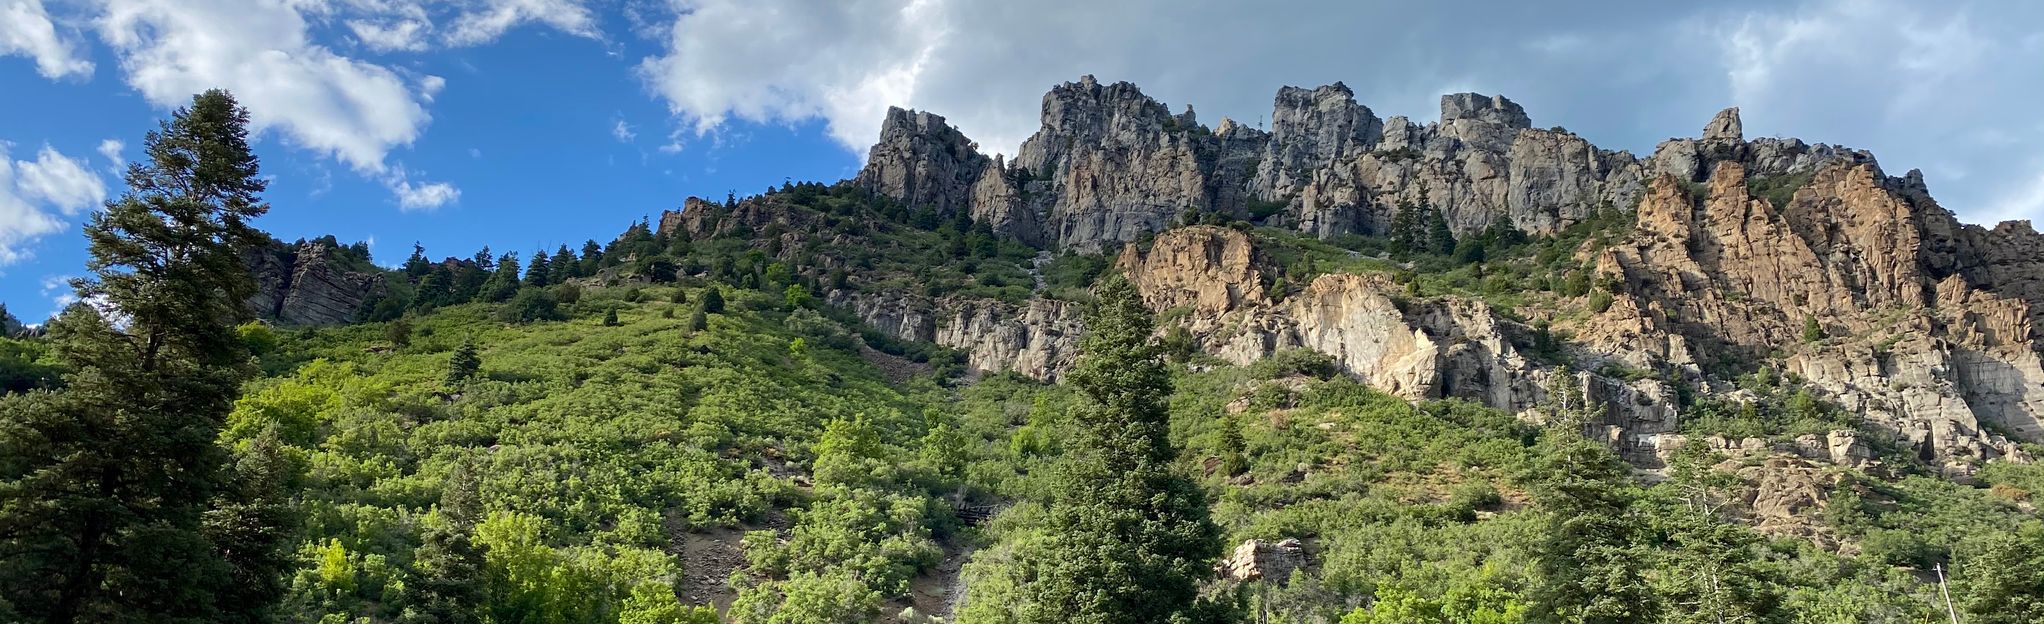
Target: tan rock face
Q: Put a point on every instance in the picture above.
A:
(1207, 270)
(1922, 350)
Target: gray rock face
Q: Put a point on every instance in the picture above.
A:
(1725, 127)
(1117, 164)
(1310, 129)
(1039, 339)
(1110, 164)
(924, 162)
(305, 285)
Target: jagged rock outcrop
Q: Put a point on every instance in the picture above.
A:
(306, 284)
(923, 162)
(1039, 339)
(1923, 352)
(1116, 164)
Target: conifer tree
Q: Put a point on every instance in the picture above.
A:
(712, 301)
(539, 272)
(565, 266)
(1440, 239)
(503, 283)
(448, 583)
(592, 258)
(105, 485)
(417, 265)
(1130, 538)
(464, 363)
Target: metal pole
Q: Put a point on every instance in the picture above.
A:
(1946, 592)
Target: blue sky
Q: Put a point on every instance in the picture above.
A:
(532, 123)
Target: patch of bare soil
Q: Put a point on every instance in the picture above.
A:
(898, 370)
(937, 591)
(708, 557)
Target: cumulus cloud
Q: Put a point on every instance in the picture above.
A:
(27, 30)
(110, 149)
(787, 60)
(61, 181)
(352, 110)
(416, 197)
(494, 17)
(1931, 86)
(30, 189)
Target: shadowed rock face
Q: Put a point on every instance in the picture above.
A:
(303, 284)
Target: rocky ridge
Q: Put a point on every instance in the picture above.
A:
(1738, 244)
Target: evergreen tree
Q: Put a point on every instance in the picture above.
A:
(713, 300)
(1812, 330)
(417, 265)
(484, 261)
(1405, 229)
(9, 326)
(448, 586)
(104, 486)
(1590, 571)
(1439, 239)
(610, 317)
(538, 273)
(697, 320)
(251, 526)
(592, 259)
(1130, 538)
(565, 266)
(464, 363)
(503, 283)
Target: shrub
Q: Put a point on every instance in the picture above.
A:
(530, 305)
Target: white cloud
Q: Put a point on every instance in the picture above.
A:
(420, 25)
(413, 197)
(623, 132)
(111, 150)
(26, 30)
(29, 188)
(352, 110)
(59, 291)
(405, 28)
(495, 17)
(787, 60)
(61, 181)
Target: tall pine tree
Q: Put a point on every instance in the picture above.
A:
(1131, 538)
(105, 484)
